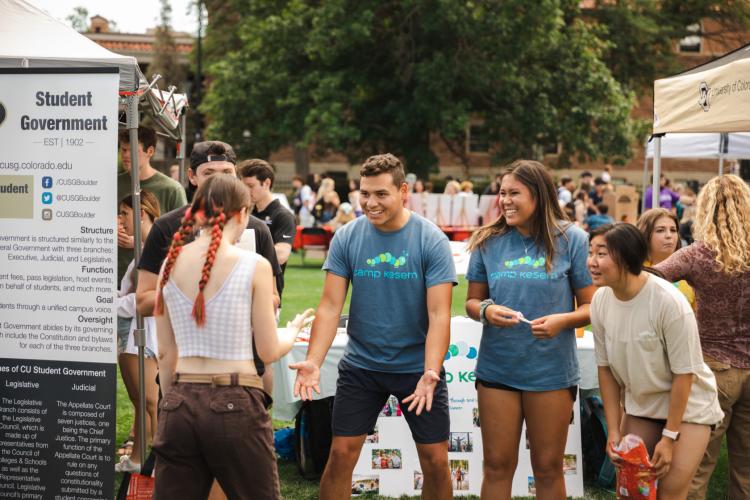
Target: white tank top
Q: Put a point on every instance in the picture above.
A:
(227, 332)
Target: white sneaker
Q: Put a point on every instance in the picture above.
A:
(127, 465)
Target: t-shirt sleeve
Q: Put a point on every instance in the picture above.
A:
(579, 250)
(155, 249)
(476, 270)
(284, 228)
(682, 342)
(264, 246)
(678, 266)
(336, 260)
(439, 266)
(600, 348)
(180, 199)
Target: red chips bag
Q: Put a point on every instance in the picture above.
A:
(635, 477)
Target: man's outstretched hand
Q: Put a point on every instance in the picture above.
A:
(422, 396)
(308, 379)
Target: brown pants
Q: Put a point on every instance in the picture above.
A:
(734, 397)
(208, 432)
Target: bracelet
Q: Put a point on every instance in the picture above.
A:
(483, 309)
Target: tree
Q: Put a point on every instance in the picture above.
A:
(386, 75)
(79, 19)
(166, 62)
(642, 34)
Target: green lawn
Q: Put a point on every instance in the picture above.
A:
(303, 287)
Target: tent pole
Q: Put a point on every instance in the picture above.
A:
(644, 185)
(139, 337)
(723, 146)
(657, 172)
(181, 149)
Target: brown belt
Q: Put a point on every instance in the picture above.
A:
(243, 379)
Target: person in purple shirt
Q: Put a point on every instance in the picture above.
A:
(667, 198)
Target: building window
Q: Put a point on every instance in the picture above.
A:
(692, 42)
(477, 140)
(551, 148)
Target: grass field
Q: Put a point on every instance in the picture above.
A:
(303, 287)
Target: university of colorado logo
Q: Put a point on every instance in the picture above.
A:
(703, 92)
(2, 113)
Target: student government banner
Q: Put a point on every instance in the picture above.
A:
(58, 151)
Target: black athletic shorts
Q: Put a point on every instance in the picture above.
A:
(496, 385)
(361, 395)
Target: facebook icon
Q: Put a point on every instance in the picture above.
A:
(46, 182)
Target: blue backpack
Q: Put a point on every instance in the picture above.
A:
(597, 468)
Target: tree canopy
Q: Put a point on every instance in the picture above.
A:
(393, 75)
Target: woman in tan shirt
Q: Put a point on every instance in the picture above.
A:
(717, 266)
(649, 358)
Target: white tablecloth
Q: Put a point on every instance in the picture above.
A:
(286, 406)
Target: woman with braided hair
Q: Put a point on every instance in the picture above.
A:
(717, 266)
(212, 299)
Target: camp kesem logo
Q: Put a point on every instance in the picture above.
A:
(703, 91)
(461, 349)
(2, 113)
(525, 261)
(388, 258)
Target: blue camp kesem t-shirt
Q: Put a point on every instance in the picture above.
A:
(514, 269)
(390, 273)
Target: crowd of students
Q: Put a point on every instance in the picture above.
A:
(670, 325)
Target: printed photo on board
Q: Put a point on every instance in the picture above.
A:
(362, 485)
(386, 459)
(460, 442)
(475, 417)
(570, 464)
(374, 436)
(391, 408)
(460, 474)
(418, 480)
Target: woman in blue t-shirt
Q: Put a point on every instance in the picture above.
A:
(526, 274)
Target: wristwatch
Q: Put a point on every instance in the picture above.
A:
(673, 435)
(483, 308)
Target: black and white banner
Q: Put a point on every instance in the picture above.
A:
(58, 254)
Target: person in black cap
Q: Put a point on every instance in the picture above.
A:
(207, 159)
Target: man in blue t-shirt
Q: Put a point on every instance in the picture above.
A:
(401, 270)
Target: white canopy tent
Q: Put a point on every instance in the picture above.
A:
(710, 145)
(30, 38)
(712, 97)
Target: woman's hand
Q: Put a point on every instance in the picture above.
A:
(613, 440)
(662, 458)
(300, 321)
(501, 316)
(547, 327)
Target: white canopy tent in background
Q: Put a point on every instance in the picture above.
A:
(734, 146)
(30, 38)
(713, 97)
(710, 145)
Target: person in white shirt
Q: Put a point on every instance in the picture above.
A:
(127, 352)
(650, 359)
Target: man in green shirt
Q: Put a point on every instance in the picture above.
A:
(169, 192)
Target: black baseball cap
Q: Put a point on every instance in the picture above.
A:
(206, 151)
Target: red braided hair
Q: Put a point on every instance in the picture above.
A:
(178, 241)
(217, 228)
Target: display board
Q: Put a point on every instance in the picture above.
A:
(389, 465)
(58, 156)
